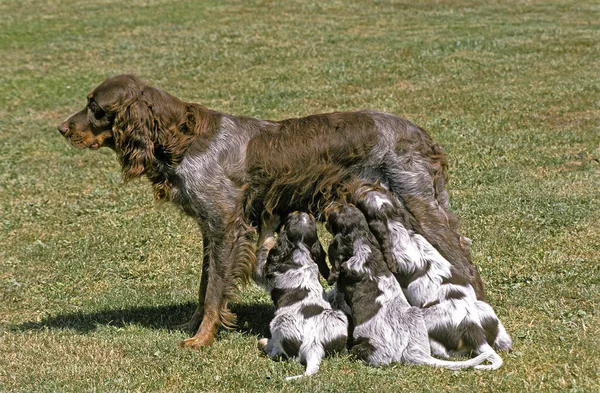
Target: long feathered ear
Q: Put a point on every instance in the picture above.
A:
(133, 131)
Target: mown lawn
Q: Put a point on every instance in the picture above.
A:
(93, 274)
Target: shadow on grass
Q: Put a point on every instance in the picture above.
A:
(251, 318)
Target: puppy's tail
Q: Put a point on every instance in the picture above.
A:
(496, 362)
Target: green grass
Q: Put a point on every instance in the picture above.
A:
(93, 274)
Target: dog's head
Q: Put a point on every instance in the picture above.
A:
(120, 114)
(92, 127)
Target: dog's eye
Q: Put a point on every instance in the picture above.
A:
(98, 112)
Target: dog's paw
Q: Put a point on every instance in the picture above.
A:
(187, 327)
(192, 325)
(197, 342)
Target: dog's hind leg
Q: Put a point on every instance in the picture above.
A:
(419, 182)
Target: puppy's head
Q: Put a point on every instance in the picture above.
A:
(343, 219)
(300, 228)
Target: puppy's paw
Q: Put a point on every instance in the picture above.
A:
(269, 242)
(262, 343)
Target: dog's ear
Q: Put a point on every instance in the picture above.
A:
(133, 132)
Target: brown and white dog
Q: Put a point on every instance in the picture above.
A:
(457, 322)
(386, 329)
(208, 162)
(305, 327)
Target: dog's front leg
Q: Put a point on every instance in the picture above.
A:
(196, 319)
(215, 277)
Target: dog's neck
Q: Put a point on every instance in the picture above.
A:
(190, 130)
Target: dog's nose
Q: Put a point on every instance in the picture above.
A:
(63, 128)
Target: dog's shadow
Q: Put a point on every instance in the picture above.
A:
(252, 319)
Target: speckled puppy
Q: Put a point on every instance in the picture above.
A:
(386, 328)
(305, 327)
(458, 323)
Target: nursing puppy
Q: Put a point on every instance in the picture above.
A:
(457, 322)
(305, 327)
(386, 328)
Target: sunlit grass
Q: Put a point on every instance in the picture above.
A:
(93, 274)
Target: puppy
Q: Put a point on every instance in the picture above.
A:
(386, 328)
(305, 327)
(457, 322)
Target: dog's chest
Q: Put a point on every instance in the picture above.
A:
(208, 181)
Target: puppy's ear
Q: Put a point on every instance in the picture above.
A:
(133, 132)
(335, 259)
(319, 256)
(333, 276)
(379, 229)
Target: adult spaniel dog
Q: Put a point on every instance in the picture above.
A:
(225, 171)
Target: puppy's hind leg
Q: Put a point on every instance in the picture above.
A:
(438, 349)
(418, 352)
(457, 365)
(264, 344)
(495, 332)
(311, 354)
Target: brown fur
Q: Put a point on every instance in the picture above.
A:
(225, 171)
